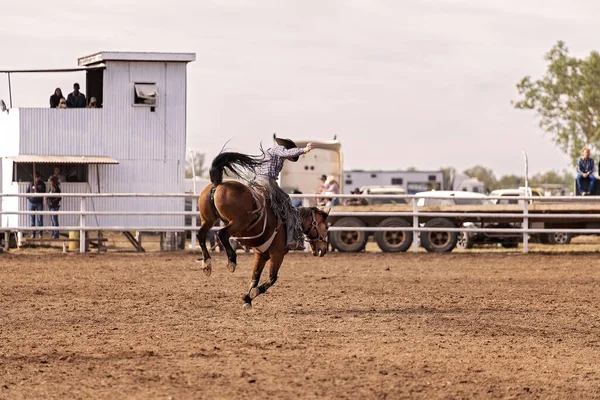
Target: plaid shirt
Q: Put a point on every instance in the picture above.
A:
(585, 165)
(273, 163)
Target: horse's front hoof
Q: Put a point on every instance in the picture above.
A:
(207, 267)
(254, 293)
(231, 266)
(247, 306)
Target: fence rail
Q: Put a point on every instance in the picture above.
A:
(525, 216)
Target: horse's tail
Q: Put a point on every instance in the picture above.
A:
(235, 163)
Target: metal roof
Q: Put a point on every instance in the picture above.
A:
(135, 56)
(64, 159)
(16, 71)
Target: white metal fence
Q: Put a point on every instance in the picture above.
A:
(524, 216)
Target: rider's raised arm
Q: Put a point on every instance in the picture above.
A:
(282, 152)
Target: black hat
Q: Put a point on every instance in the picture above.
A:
(288, 144)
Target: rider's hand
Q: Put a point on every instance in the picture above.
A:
(309, 147)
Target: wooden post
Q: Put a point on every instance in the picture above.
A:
(100, 242)
(138, 238)
(9, 92)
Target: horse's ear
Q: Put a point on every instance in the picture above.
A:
(326, 210)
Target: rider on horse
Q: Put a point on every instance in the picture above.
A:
(266, 176)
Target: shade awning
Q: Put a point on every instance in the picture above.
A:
(64, 159)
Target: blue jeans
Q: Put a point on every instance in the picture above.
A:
(581, 180)
(54, 221)
(40, 218)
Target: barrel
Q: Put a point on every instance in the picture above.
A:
(73, 244)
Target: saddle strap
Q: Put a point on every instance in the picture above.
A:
(265, 246)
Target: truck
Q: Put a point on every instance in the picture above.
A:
(326, 159)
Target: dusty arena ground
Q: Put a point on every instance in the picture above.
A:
(123, 325)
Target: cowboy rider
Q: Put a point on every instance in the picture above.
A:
(266, 175)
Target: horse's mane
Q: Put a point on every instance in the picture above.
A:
(306, 212)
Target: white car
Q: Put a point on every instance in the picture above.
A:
(450, 198)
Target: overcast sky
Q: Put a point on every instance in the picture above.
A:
(424, 83)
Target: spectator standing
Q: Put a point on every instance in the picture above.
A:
(56, 97)
(76, 99)
(54, 203)
(36, 203)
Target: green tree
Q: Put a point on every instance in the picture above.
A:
(485, 175)
(566, 99)
(553, 178)
(199, 165)
(509, 182)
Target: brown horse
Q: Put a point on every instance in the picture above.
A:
(248, 217)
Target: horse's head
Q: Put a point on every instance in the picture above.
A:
(314, 226)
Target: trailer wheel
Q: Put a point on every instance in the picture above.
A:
(464, 241)
(439, 241)
(349, 241)
(559, 238)
(394, 241)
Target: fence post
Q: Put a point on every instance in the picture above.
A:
(525, 226)
(415, 226)
(193, 230)
(82, 225)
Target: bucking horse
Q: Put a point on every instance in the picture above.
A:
(247, 217)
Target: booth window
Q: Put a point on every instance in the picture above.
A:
(145, 94)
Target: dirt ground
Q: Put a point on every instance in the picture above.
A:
(125, 325)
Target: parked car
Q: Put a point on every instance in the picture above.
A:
(383, 190)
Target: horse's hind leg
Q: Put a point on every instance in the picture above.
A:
(260, 259)
(231, 254)
(206, 260)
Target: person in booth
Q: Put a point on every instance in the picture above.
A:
(56, 97)
(76, 99)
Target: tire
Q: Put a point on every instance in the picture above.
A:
(394, 241)
(351, 241)
(464, 241)
(561, 238)
(439, 241)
